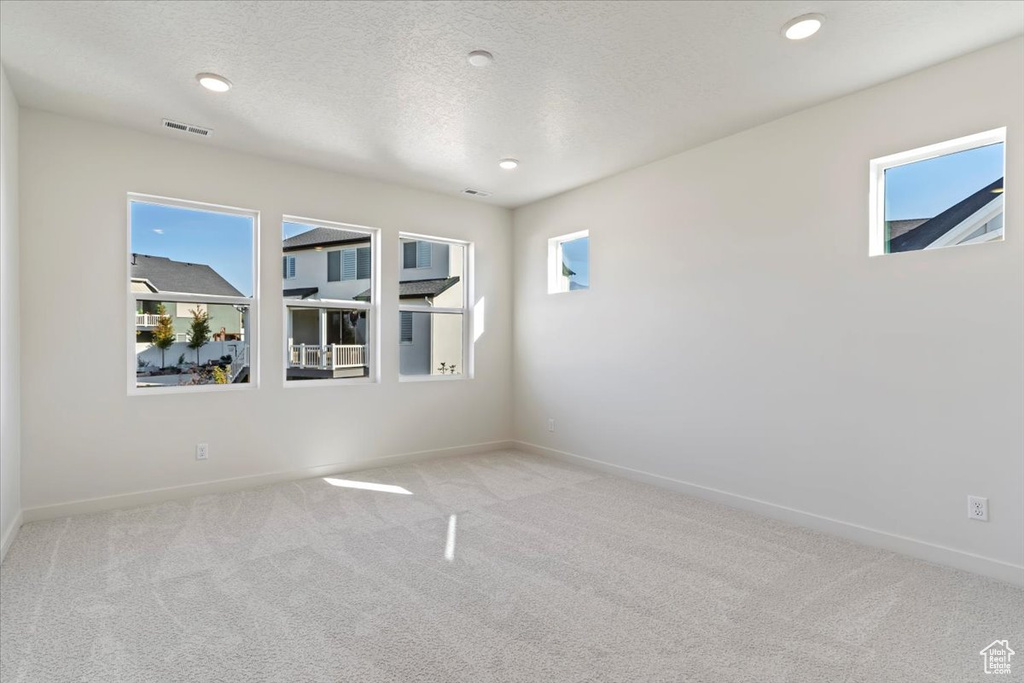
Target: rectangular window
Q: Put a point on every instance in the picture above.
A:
(569, 262)
(434, 307)
(416, 254)
(289, 267)
(331, 320)
(191, 284)
(944, 195)
(405, 320)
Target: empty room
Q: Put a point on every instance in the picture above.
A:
(519, 341)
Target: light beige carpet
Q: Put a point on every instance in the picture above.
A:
(546, 573)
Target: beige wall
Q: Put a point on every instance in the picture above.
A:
(75, 175)
(10, 372)
(737, 336)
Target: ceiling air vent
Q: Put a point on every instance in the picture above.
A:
(188, 128)
(476, 193)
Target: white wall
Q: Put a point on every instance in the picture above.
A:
(74, 177)
(10, 401)
(737, 336)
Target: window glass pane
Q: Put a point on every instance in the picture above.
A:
(408, 254)
(569, 263)
(576, 263)
(405, 333)
(436, 346)
(440, 283)
(191, 343)
(190, 251)
(327, 343)
(363, 269)
(945, 201)
(329, 263)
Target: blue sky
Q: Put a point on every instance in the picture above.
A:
(576, 255)
(293, 229)
(927, 188)
(221, 241)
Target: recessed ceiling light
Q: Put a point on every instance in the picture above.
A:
(508, 164)
(213, 82)
(480, 58)
(803, 26)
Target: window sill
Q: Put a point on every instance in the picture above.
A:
(191, 389)
(336, 382)
(433, 378)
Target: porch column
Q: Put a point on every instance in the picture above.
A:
(325, 361)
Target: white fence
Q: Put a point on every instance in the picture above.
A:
(215, 350)
(330, 357)
(146, 319)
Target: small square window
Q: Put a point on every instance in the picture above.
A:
(943, 195)
(569, 262)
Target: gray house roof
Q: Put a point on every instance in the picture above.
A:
(418, 289)
(934, 228)
(175, 276)
(322, 237)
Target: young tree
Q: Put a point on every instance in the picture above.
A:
(199, 331)
(163, 333)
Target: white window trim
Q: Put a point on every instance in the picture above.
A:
(252, 334)
(468, 296)
(555, 261)
(878, 167)
(372, 308)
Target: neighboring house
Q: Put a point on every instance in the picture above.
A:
(324, 263)
(155, 274)
(429, 275)
(978, 218)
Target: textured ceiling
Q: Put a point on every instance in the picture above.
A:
(578, 90)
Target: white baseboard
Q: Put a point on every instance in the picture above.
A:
(9, 535)
(126, 500)
(986, 566)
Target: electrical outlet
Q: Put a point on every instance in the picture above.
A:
(551, 425)
(202, 451)
(977, 508)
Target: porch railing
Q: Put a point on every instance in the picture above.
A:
(146, 319)
(330, 357)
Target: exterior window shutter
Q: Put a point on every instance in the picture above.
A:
(284, 266)
(406, 331)
(423, 254)
(363, 263)
(348, 264)
(333, 266)
(409, 255)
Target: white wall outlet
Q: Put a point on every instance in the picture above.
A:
(977, 508)
(202, 451)
(551, 425)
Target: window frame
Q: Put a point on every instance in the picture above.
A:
(877, 168)
(253, 302)
(466, 311)
(555, 260)
(372, 308)
(290, 271)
